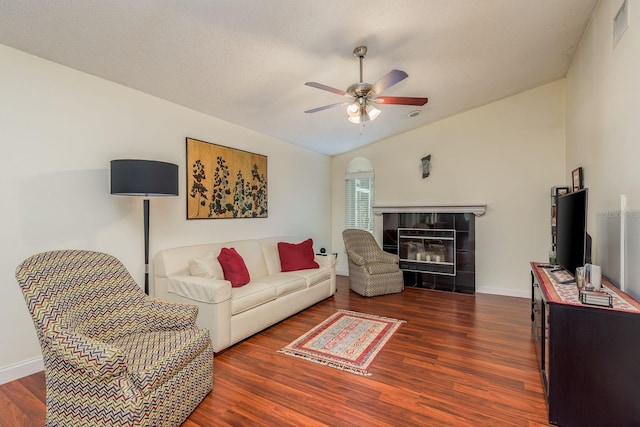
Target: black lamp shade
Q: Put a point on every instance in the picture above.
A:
(143, 178)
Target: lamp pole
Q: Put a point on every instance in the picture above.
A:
(145, 203)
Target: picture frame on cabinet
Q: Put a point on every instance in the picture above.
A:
(577, 179)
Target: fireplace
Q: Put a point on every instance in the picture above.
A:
(425, 250)
(436, 245)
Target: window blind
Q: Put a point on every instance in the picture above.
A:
(359, 197)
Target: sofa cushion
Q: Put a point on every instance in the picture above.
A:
(297, 256)
(257, 292)
(285, 283)
(207, 266)
(155, 357)
(269, 247)
(251, 253)
(233, 267)
(175, 261)
(311, 277)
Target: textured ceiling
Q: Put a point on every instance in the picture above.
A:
(246, 61)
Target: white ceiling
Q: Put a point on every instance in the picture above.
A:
(246, 61)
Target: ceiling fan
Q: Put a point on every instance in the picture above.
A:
(362, 96)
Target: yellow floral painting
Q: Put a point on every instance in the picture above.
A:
(224, 182)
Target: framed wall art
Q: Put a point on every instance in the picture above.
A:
(577, 179)
(224, 182)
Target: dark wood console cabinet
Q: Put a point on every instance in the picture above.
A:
(589, 356)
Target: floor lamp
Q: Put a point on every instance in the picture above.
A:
(144, 178)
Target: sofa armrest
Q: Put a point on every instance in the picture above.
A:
(95, 358)
(387, 257)
(326, 261)
(163, 315)
(200, 288)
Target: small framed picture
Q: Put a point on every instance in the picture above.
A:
(577, 179)
(426, 166)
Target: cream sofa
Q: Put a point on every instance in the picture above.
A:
(233, 314)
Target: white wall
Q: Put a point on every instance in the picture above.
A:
(603, 123)
(59, 128)
(507, 154)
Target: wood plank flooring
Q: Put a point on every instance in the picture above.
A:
(460, 360)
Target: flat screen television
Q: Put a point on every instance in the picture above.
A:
(571, 229)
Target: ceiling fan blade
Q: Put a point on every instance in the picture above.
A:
(391, 78)
(325, 87)
(400, 100)
(325, 107)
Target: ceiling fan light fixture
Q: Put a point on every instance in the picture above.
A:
(357, 114)
(354, 119)
(372, 112)
(353, 112)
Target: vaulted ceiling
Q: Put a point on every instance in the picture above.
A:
(246, 61)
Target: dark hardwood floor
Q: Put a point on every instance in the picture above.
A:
(460, 360)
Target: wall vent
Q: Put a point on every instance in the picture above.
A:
(620, 22)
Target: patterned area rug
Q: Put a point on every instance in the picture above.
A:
(347, 340)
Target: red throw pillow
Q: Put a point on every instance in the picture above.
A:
(233, 267)
(297, 256)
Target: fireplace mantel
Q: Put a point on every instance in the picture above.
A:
(476, 209)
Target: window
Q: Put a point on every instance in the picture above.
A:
(359, 194)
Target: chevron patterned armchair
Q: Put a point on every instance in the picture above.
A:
(372, 271)
(112, 355)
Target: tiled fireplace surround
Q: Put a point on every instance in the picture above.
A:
(457, 271)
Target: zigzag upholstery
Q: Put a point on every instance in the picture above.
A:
(372, 271)
(112, 355)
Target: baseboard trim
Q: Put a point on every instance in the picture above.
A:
(504, 292)
(21, 369)
(481, 290)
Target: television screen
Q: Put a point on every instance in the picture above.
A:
(571, 228)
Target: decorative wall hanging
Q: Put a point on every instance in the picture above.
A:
(224, 182)
(426, 166)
